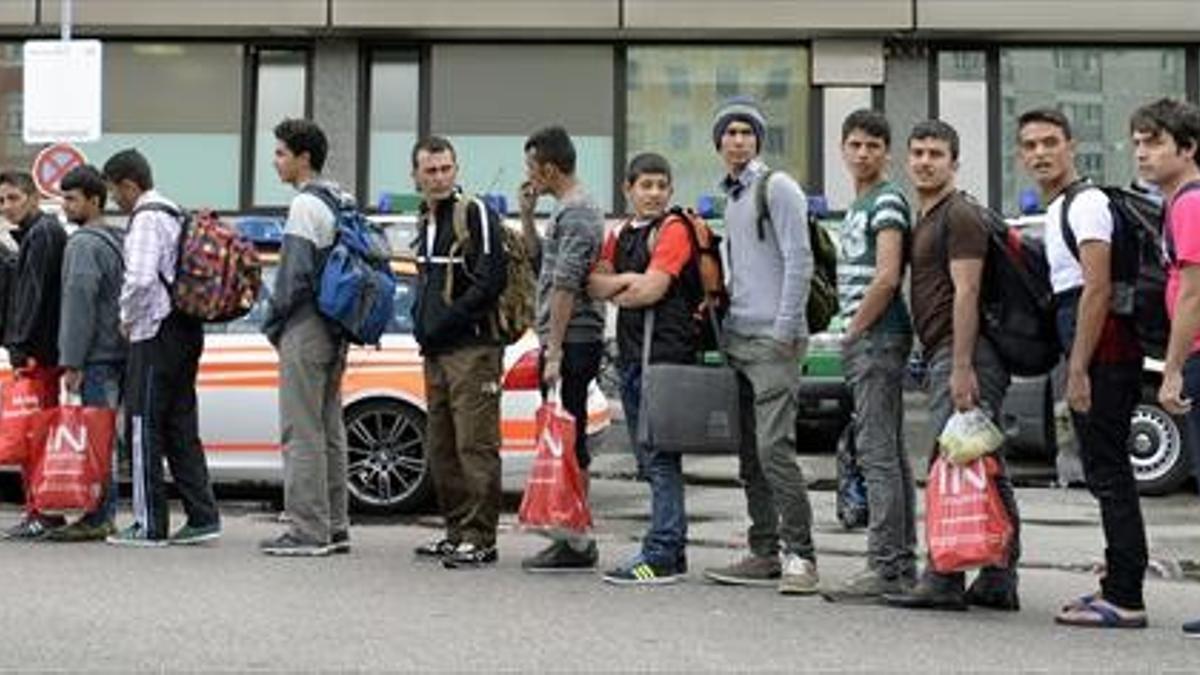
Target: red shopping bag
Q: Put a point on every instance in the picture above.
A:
(72, 448)
(966, 524)
(555, 499)
(20, 399)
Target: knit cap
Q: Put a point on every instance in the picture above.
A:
(739, 109)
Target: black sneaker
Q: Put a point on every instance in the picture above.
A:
(339, 542)
(288, 544)
(560, 556)
(1192, 629)
(641, 573)
(992, 595)
(33, 528)
(467, 554)
(929, 594)
(437, 548)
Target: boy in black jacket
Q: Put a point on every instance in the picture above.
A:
(463, 356)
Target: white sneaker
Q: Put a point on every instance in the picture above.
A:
(799, 575)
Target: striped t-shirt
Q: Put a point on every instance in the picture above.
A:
(882, 207)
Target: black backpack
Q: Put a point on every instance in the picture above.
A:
(1016, 303)
(1139, 259)
(822, 294)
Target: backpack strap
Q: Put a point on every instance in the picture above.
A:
(109, 240)
(462, 238)
(762, 203)
(177, 214)
(1168, 232)
(1069, 193)
(326, 195)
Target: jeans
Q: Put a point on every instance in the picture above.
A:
(1191, 388)
(874, 365)
(776, 495)
(666, 539)
(993, 381)
(102, 383)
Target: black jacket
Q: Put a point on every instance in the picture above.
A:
(31, 326)
(480, 271)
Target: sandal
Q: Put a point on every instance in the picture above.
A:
(1100, 613)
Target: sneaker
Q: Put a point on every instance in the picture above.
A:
(339, 542)
(32, 528)
(641, 573)
(136, 537)
(560, 556)
(467, 554)
(189, 535)
(866, 587)
(82, 531)
(289, 545)
(993, 595)
(1192, 629)
(929, 593)
(437, 548)
(798, 576)
(752, 570)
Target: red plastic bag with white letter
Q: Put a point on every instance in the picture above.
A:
(20, 400)
(73, 449)
(966, 524)
(555, 500)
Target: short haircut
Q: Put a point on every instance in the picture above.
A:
(647, 163)
(433, 145)
(1046, 116)
(301, 136)
(88, 180)
(937, 130)
(552, 145)
(871, 122)
(1178, 119)
(22, 180)
(129, 165)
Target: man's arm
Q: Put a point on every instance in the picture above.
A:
(1095, 257)
(789, 219)
(80, 297)
(24, 314)
(1186, 323)
(966, 274)
(604, 284)
(644, 289)
(889, 267)
(142, 252)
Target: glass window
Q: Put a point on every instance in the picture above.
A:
(488, 98)
(394, 111)
(962, 102)
(1097, 89)
(776, 76)
(680, 137)
(282, 93)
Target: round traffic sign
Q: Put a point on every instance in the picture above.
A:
(52, 164)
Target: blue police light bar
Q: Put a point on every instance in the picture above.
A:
(261, 230)
(818, 206)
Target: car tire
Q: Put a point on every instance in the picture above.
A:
(388, 471)
(1159, 449)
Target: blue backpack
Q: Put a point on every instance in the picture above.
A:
(357, 290)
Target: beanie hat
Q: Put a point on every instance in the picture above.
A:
(739, 109)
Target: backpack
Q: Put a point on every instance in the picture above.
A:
(822, 294)
(706, 292)
(218, 274)
(357, 288)
(1016, 308)
(516, 307)
(1140, 258)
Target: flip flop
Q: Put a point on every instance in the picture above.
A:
(1098, 613)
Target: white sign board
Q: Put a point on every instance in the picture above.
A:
(62, 91)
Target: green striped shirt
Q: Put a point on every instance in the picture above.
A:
(884, 206)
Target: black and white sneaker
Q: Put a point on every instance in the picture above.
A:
(560, 556)
(288, 544)
(469, 555)
(437, 548)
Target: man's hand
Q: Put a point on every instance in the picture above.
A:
(1079, 390)
(72, 379)
(964, 388)
(126, 330)
(1170, 394)
(552, 368)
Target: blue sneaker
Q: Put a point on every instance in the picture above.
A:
(190, 535)
(641, 573)
(1192, 628)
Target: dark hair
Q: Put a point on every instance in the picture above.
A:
(1047, 116)
(647, 163)
(22, 180)
(433, 145)
(552, 145)
(937, 130)
(301, 136)
(871, 122)
(1178, 119)
(129, 165)
(86, 179)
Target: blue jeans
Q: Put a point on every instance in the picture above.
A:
(1191, 389)
(666, 540)
(102, 389)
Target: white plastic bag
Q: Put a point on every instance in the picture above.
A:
(968, 436)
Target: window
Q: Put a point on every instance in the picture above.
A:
(393, 123)
(487, 99)
(282, 93)
(680, 137)
(962, 102)
(708, 76)
(1097, 89)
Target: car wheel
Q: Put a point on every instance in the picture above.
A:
(1158, 449)
(387, 471)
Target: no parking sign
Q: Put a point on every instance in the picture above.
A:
(52, 164)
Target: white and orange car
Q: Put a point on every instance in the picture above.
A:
(384, 397)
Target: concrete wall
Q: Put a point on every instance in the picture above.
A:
(769, 14)
(1033, 16)
(455, 14)
(336, 103)
(18, 12)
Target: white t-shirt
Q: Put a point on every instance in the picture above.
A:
(1090, 220)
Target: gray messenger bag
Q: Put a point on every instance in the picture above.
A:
(689, 409)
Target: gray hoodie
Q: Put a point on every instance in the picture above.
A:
(92, 272)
